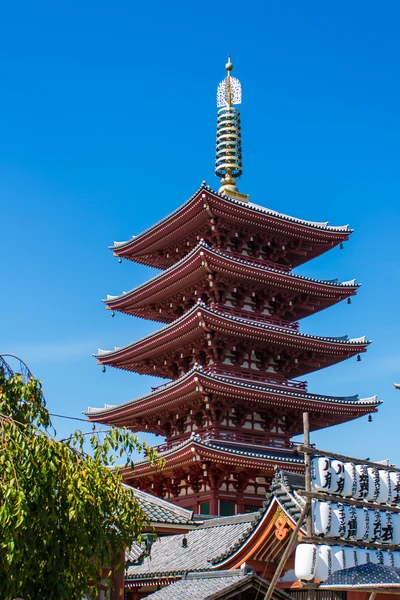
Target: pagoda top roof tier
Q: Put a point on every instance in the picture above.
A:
(197, 384)
(204, 262)
(307, 353)
(209, 215)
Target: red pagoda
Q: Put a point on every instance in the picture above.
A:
(231, 350)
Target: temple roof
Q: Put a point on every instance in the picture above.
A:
(204, 546)
(369, 575)
(206, 204)
(284, 488)
(203, 587)
(228, 453)
(161, 512)
(196, 323)
(143, 300)
(217, 540)
(211, 585)
(197, 382)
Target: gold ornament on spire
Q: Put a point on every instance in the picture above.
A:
(228, 160)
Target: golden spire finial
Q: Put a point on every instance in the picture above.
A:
(228, 161)
(229, 68)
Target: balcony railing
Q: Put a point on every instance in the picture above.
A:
(256, 316)
(262, 262)
(249, 375)
(241, 437)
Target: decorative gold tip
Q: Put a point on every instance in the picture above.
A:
(228, 163)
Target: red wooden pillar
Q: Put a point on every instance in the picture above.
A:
(214, 504)
(118, 579)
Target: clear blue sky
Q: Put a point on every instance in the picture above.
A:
(107, 123)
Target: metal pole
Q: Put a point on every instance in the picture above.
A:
(306, 427)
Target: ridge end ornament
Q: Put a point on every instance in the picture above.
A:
(228, 158)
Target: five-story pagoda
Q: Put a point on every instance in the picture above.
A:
(231, 348)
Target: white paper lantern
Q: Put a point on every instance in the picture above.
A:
(396, 528)
(386, 536)
(376, 557)
(362, 529)
(324, 563)
(337, 477)
(382, 495)
(350, 557)
(337, 558)
(305, 561)
(350, 522)
(321, 516)
(375, 525)
(362, 482)
(396, 559)
(321, 475)
(373, 484)
(388, 558)
(362, 556)
(394, 487)
(350, 480)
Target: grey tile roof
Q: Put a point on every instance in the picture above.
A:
(218, 585)
(283, 488)
(205, 546)
(213, 540)
(161, 511)
(364, 576)
(201, 588)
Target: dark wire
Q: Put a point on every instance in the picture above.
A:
(65, 417)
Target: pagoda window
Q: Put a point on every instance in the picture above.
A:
(204, 508)
(226, 508)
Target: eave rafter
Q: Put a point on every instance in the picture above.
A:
(204, 335)
(214, 217)
(210, 274)
(193, 392)
(192, 456)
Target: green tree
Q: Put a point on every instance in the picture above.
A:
(64, 513)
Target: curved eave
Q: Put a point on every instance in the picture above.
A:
(191, 450)
(201, 261)
(205, 203)
(252, 543)
(194, 325)
(196, 383)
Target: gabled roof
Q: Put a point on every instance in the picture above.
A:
(218, 541)
(204, 545)
(196, 212)
(142, 300)
(199, 320)
(284, 488)
(161, 512)
(217, 586)
(204, 586)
